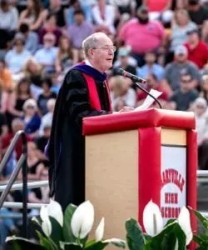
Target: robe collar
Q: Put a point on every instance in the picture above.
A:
(88, 69)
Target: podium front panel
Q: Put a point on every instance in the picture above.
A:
(112, 178)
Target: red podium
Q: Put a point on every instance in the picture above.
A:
(135, 157)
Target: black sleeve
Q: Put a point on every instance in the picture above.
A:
(77, 98)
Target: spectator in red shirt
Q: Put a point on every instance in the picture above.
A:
(197, 49)
(17, 124)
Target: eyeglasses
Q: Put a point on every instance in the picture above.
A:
(48, 40)
(19, 44)
(30, 107)
(107, 48)
(185, 81)
(200, 107)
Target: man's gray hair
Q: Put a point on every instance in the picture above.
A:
(91, 42)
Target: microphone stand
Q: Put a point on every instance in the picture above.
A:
(143, 89)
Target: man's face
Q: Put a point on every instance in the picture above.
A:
(101, 57)
(48, 42)
(181, 57)
(186, 82)
(193, 38)
(19, 45)
(150, 58)
(79, 18)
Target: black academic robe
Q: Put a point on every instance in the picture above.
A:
(66, 148)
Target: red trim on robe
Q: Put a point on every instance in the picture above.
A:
(93, 94)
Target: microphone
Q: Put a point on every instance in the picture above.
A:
(137, 80)
(124, 73)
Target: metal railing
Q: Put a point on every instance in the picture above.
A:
(22, 163)
(19, 186)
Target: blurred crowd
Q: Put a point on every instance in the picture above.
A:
(163, 41)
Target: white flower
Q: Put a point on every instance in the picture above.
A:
(185, 224)
(82, 220)
(152, 219)
(46, 224)
(55, 211)
(99, 232)
(46, 227)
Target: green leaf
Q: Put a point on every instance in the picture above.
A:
(135, 237)
(99, 245)
(57, 231)
(47, 242)
(67, 232)
(18, 243)
(70, 246)
(201, 218)
(202, 241)
(166, 239)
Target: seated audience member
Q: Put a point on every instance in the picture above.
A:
(17, 124)
(55, 7)
(31, 118)
(46, 120)
(31, 38)
(158, 8)
(75, 5)
(151, 67)
(50, 26)
(45, 96)
(140, 28)
(197, 49)
(40, 195)
(34, 15)
(183, 98)
(35, 165)
(124, 7)
(6, 82)
(79, 30)
(17, 56)
(204, 87)
(197, 11)
(180, 25)
(204, 32)
(66, 56)
(8, 225)
(103, 15)
(121, 93)
(3, 125)
(46, 56)
(18, 97)
(43, 138)
(8, 23)
(33, 71)
(201, 116)
(180, 65)
(125, 60)
(152, 83)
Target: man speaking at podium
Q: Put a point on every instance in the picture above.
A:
(84, 93)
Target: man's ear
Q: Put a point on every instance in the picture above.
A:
(90, 52)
